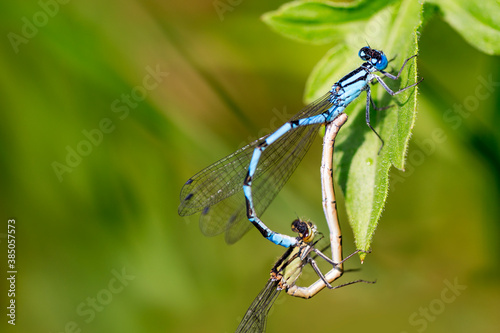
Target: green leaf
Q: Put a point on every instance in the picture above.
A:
(362, 173)
(476, 21)
(321, 22)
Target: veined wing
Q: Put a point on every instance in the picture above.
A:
(255, 318)
(217, 190)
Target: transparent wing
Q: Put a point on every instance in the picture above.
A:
(217, 190)
(255, 318)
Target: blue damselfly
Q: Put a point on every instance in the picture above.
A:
(264, 166)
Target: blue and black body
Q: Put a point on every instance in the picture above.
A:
(264, 166)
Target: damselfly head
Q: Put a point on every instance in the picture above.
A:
(306, 230)
(375, 57)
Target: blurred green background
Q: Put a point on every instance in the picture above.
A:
(113, 212)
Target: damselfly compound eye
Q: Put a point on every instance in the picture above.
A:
(365, 53)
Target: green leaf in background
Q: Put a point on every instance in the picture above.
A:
(476, 21)
(361, 173)
(321, 23)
